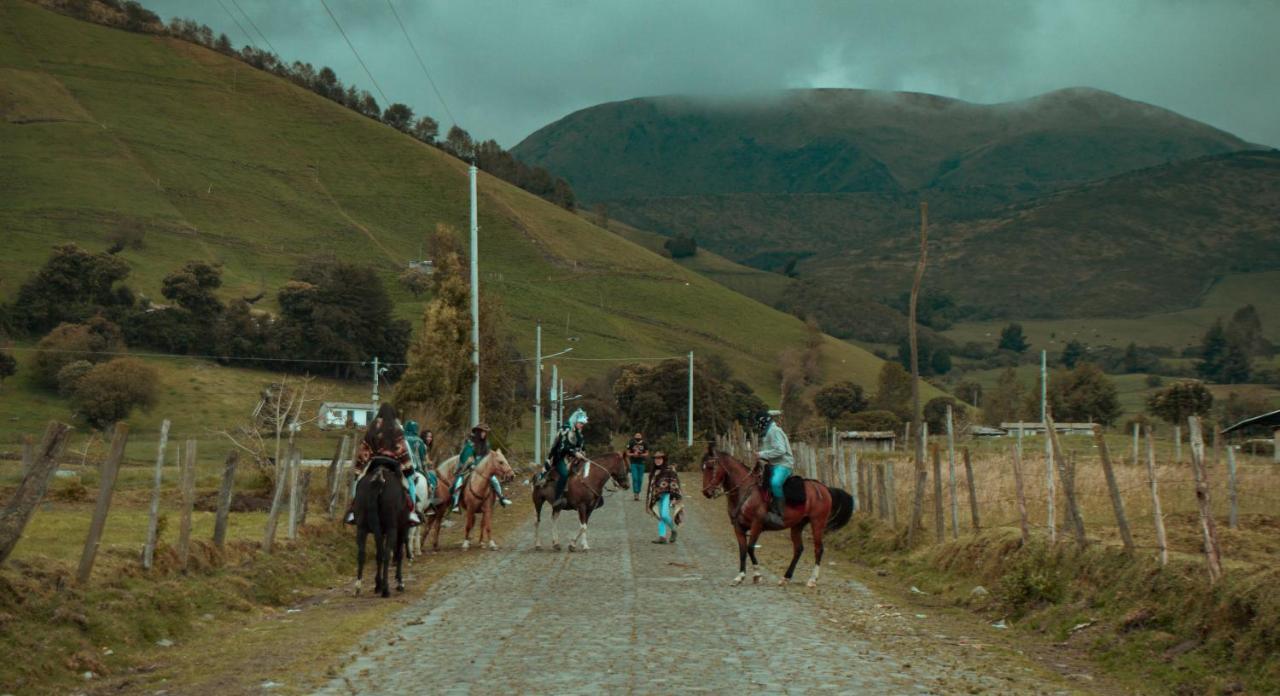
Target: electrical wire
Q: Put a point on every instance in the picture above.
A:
(356, 53)
(255, 28)
(247, 35)
(422, 64)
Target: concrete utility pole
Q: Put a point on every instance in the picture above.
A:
(555, 390)
(377, 372)
(475, 302)
(537, 396)
(689, 435)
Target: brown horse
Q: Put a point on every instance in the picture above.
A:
(584, 493)
(825, 508)
(433, 514)
(476, 497)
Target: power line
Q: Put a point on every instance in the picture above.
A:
(255, 28)
(653, 359)
(421, 64)
(355, 53)
(247, 35)
(202, 357)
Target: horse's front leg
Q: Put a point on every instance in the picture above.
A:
(537, 523)
(402, 545)
(742, 554)
(555, 531)
(817, 554)
(486, 526)
(361, 536)
(466, 531)
(797, 548)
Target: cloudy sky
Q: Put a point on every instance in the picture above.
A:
(508, 67)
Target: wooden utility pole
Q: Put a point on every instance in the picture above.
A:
(1116, 503)
(916, 510)
(106, 487)
(1212, 555)
(15, 515)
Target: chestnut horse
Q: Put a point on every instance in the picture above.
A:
(584, 493)
(476, 496)
(826, 508)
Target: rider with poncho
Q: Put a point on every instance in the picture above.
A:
(664, 500)
(775, 450)
(568, 443)
(474, 449)
(384, 439)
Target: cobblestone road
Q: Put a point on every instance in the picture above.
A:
(631, 616)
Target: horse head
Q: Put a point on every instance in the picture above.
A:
(619, 471)
(713, 473)
(501, 467)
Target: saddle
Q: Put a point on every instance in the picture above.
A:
(792, 488)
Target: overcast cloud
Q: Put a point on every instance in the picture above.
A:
(508, 67)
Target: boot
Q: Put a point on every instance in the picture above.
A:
(773, 518)
(414, 520)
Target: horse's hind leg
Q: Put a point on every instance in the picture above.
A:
(486, 526)
(361, 536)
(466, 533)
(537, 524)
(555, 532)
(817, 554)
(399, 556)
(797, 548)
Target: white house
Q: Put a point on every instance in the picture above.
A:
(342, 414)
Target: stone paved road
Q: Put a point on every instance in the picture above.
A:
(635, 617)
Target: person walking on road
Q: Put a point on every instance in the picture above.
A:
(664, 499)
(637, 450)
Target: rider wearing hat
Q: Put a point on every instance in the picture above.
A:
(775, 450)
(664, 498)
(474, 449)
(384, 439)
(569, 442)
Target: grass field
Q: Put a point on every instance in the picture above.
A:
(213, 160)
(1177, 330)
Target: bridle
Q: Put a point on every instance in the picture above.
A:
(722, 488)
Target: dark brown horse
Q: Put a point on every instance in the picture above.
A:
(825, 508)
(381, 511)
(584, 493)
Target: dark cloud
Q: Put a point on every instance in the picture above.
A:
(507, 68)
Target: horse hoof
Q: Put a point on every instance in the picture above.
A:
(572, 548)
(537, 547)
(811, 583)
(466, 545)
(493, 546)
(400, 587)
(359, 586)
(386, 594)
(757, 579)
(556, 546)
(736, 581)
(784, 582)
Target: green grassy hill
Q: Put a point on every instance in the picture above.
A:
(104, 129)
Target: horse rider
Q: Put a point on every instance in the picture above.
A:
(474, 449)
(664, 497)
(386, 439)
(775, 450)
(418, 453)
(637, 450)
(569, 442)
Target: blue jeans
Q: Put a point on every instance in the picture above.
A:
(664, 515)
(562, 480)
(637, 476)
(780, 475)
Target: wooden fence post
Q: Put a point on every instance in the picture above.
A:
(295, 466)
(224, 498)
(1067, 473)
(1233, 520)
(106, 487)
(149, 550)
(1161, 542)
(331, 479)
(277, 498)
(17, 512)
(1177, 444)
(851, 476)
(1022, 498)
(951, 473)
(1116, 503)
(188, 481)
(1211, 553)
(1135, 444)
(28, 453)
(891, 491)
(917, 498)
(973, 492)
(881, 491)
(304, 490)
(939, 521)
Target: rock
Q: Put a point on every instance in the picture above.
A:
(90, 675)
(978, 591)
(166, 643)
(914, 589)
(1182, 648)
(1000, 624)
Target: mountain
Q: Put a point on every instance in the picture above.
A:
(197, 155)
(1033, 192)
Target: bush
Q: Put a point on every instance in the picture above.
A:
(70, 375)
(110, 391)
(93, 341)
(935, 413)
(8, 366)
(681, 246)
(870, 420)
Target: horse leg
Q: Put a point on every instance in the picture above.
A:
(555, 532)
(755, 564)
(486, 525)
(817, 554)
(742, 555)
(466, 532)
(402, 545)
(584, 516)
(361, 536)
(537, 523)
(797, 548)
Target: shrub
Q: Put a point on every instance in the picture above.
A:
(110, 391)
(870, 420)
(70, 375)
(93, 341)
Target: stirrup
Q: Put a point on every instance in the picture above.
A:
(504, 501)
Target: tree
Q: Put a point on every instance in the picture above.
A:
(1011, 338)
(426, 129)
(1071, 353)
(1083, 394)
(415, 281)
(72, 286)
(398, 116)
(653, 398)
(368, 106)
(681, 246)
(8, 366)
(940, 362)
(1213, 351)
(1004, 403)
(602, 215)
(1236, 368)
(459, 142)
(111, 390)
(893, 391)
(970, 392)
(69, 376)
(1245, 328)
(935, 412)
(1176, 402)
(840, 398)
(874, 421)
(192, 288)
(94, 341)
(438, 379)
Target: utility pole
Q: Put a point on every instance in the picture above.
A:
(555, 389)
(475, 302)
(537, 396)
(689, 434)
(377, 372)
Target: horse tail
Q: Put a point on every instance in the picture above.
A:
(841, 509)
